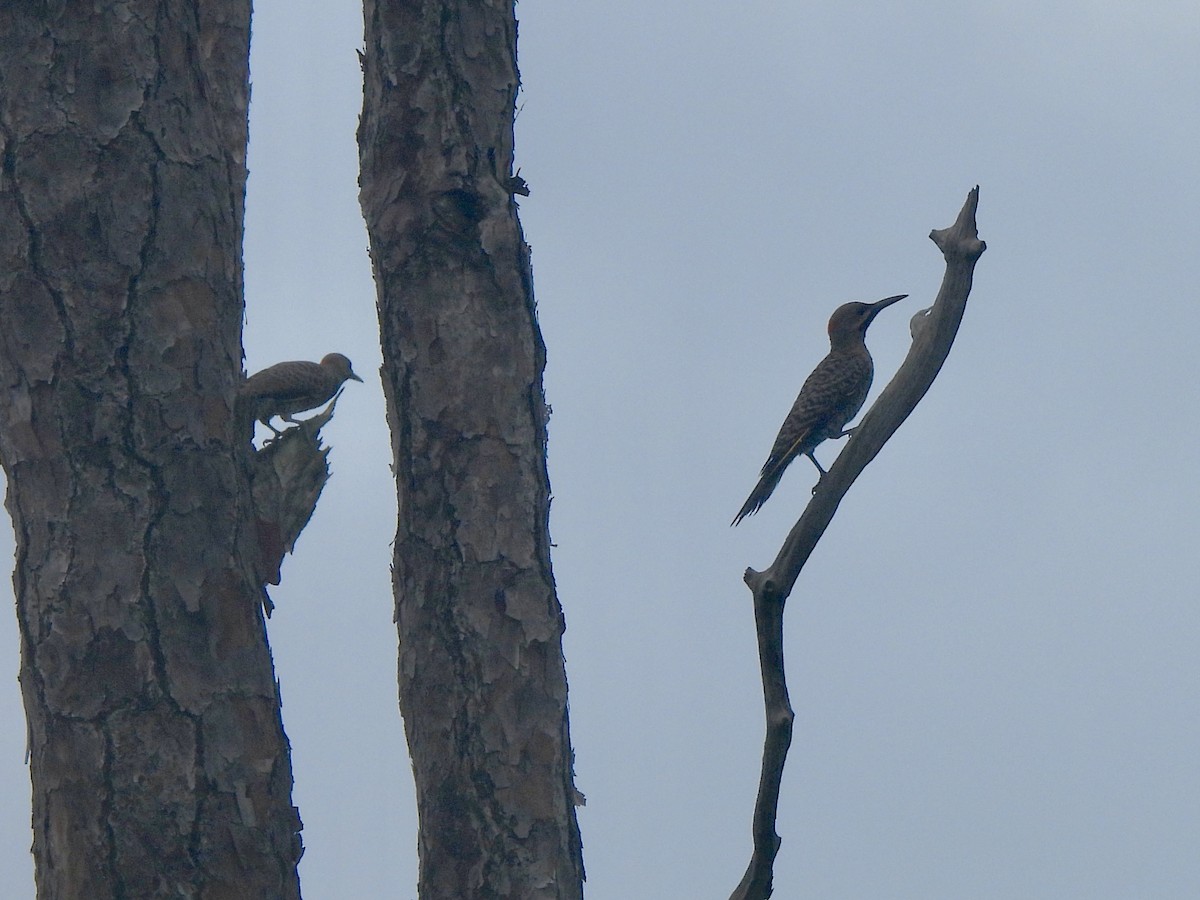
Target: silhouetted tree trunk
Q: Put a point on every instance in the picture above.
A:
(482, 683)
(158, 759)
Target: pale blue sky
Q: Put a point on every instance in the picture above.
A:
(993, 652)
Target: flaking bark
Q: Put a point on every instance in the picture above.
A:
(483, 686)
(157, 755)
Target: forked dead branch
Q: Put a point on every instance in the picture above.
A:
(933, 333)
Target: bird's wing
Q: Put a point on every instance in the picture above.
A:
(276, 391)
(825, 403)
(282, 381)
(798, 435)
(830, 397)
(804, 419)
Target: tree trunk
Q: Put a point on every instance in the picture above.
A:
(157, 754)
(482, 682)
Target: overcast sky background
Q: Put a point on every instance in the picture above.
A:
(993, 653)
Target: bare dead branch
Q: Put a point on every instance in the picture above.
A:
(933, 333)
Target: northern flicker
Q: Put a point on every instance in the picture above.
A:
(831, 396)
(291, 387)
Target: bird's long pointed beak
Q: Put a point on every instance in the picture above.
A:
(876, 308)
(354, 377)
(887, 301)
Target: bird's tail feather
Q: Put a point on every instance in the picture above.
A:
(758, 496)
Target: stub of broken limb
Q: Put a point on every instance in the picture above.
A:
(286, 477)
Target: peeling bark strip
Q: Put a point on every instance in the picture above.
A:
(483, 686)
(157, 755)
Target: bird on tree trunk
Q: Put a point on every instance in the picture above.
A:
(831, 396)
(291, 387)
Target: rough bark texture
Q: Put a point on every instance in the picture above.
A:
(157, 755)
(482, 681)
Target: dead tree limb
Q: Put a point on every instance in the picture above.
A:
(933, 332)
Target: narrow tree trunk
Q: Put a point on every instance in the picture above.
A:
(482, 681)
(157, 755)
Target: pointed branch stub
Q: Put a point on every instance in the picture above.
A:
(287, 478)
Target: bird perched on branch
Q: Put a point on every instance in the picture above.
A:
(831, 396)
(291, 387)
